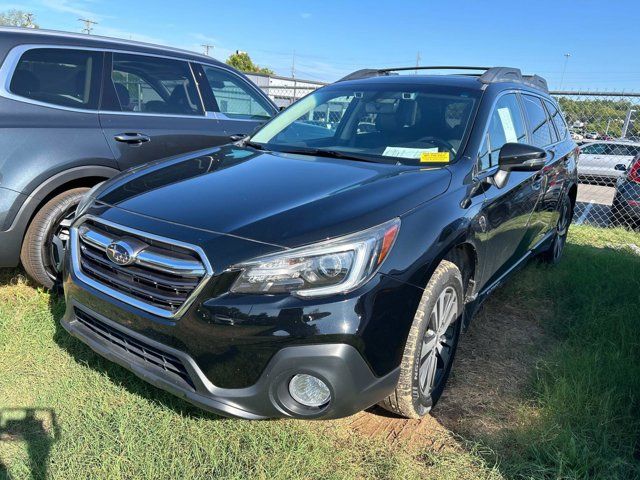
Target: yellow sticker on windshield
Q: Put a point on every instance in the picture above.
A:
(437, 157)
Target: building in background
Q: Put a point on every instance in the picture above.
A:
(284, 90)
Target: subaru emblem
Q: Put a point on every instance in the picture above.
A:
(121, 253)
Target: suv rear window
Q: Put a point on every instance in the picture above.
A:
(58, 76)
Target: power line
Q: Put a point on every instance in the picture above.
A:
(88, 25)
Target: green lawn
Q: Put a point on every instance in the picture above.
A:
(67, 413)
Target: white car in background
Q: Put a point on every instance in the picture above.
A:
(605, 161)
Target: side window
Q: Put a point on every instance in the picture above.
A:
(593, 149)
(59, 76)
(154, 85)
(505, 126)
(556, 118)
(234, 98)
(538, 123)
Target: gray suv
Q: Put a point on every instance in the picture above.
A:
(75, 110)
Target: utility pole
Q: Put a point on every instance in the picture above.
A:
(627, 121)
(564, 68)
(293, 74)
(418, 58)
(206, 48)
(88, 25)
(29, 23)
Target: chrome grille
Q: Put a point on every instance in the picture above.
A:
(163, 275)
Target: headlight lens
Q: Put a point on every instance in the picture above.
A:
(326, 268)
(87, 200)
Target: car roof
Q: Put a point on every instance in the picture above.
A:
(20, 35)
(462, 81)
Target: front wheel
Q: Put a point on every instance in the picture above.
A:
(431, 345)
(47, 237)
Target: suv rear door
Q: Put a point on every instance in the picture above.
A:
(236, 102)
(151, 108)
(506, 211)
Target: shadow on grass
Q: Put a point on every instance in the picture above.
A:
(38, 428)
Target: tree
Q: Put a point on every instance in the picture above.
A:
(242, 61)
(17, 18)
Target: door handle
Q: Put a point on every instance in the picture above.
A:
(132, 138)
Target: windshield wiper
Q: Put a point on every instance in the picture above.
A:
(321, 152)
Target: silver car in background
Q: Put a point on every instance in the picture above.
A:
(605, 161)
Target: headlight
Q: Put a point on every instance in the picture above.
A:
(87, 200)
(334, 266)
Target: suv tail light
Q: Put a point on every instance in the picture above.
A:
(634, 170)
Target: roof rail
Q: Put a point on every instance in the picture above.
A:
(488, 75)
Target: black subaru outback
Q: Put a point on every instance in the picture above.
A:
(329, 261)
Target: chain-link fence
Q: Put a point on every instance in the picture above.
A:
(606, 126)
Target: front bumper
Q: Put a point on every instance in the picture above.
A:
(353, 385)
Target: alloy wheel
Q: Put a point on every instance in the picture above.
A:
(438, 341)
(562, 230)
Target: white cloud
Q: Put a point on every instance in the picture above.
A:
(81, 8)
(305, 15)
(118, 33)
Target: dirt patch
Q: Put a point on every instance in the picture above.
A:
(495, 361)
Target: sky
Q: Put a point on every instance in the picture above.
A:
(331, 38)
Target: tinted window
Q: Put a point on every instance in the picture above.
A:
(154, 85)
(593, 149)
(620, 149)
(538, 122)
(556, 118)
(505, 126)
(63, 77)
(233, 97)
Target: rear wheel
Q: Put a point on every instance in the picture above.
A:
(554, 253)
(431, 345)
(47, 237)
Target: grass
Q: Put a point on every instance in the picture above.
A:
(67, 413)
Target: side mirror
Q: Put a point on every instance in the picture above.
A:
(519, 157)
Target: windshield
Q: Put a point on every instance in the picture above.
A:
(411, 124)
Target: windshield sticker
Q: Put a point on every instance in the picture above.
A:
(405, 152)
(434, 157)
(507, 125)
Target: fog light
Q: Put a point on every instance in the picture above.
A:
(308, 390)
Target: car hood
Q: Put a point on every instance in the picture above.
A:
(282, 199)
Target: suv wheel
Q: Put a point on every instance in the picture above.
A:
(47, 237)
(554, 253)
(431, 345)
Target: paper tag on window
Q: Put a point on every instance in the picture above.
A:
(507, 125)
(434, 157)
(405, 152)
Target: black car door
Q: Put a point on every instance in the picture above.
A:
(506, 212)
(238, 104)
(543, 134)
(151, 109)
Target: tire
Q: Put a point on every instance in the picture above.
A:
(428, 348)
(52, 220)
(553, 254)
(616, 215)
